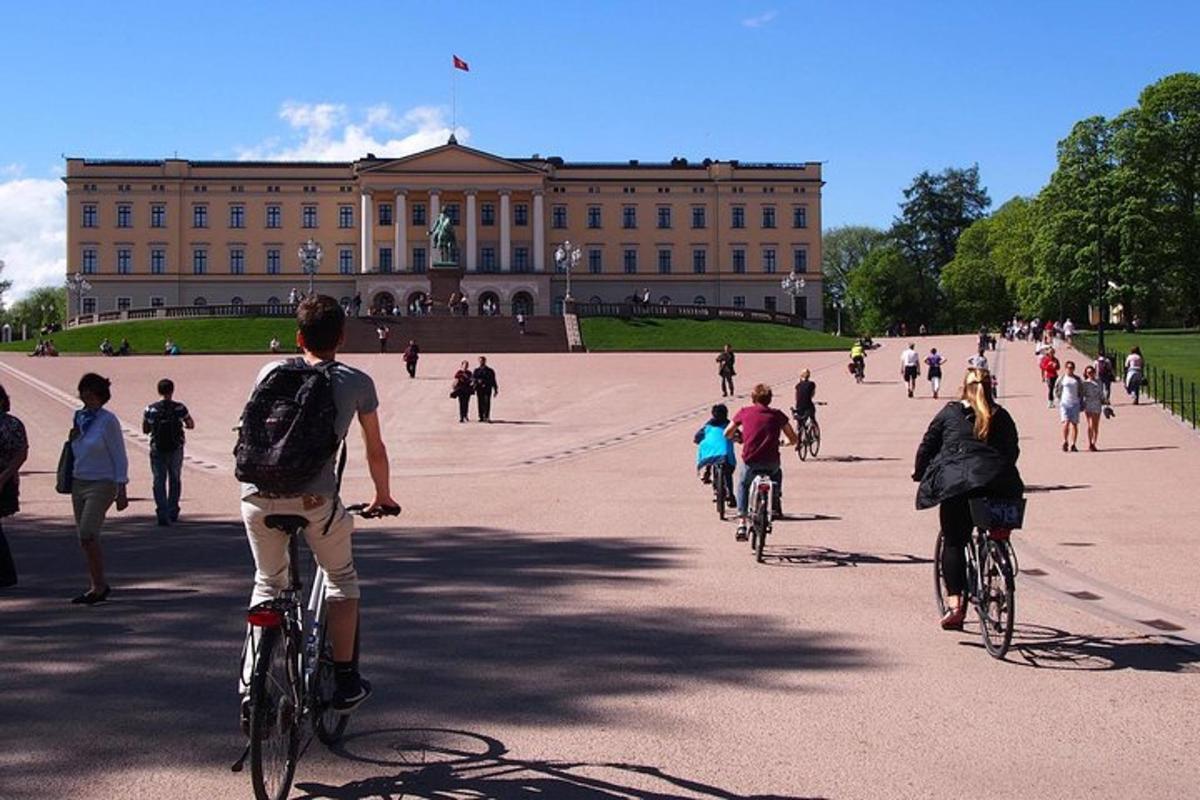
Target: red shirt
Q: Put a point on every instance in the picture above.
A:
(761, 426)
(1049, 367)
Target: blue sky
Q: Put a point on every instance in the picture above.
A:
(879, 91)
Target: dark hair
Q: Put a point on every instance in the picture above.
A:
(96, 385)
(5, 403)
(322, 322)
(720, 411)
(1137, 351)
(166, 386)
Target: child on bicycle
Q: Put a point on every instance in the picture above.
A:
(714, 448)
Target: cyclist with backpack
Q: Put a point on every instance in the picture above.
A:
(165, 420)
(291, 431)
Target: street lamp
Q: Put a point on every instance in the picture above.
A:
(310, 254)
(793, 285)
(80, 285)
(567, 257)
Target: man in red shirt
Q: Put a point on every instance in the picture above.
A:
(760, 426)
(1049, 365)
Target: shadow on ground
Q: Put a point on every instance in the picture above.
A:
(1044, 647)
(468, 623)
(801, 556)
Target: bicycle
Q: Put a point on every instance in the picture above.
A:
(761, 502)
(858, 368)
(720, 490)
(292, 678)
(991, 570)
(809, 436)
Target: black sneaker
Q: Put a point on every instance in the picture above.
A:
(350, 696)
(743, 533)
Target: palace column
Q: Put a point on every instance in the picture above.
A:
(435, 208)
(539, 232)
(471, 232)
(505, 231)
(400, 232)
(368, 211)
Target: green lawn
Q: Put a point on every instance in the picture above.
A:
(608, 333)
(1173, 351)
(237, 335)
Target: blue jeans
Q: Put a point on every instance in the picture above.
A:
(166, 469)
(748, 473)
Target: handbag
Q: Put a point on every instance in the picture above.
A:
(66, 466)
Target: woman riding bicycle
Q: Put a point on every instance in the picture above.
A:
(969, 450)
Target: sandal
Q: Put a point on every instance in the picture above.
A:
(952, 620)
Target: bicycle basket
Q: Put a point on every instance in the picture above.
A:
(997, 512)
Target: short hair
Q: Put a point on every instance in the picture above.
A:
(804, 373)
(96, 385)
(322, 322)
(761, 394)
(720, 411)
(5, 403)
(166, 386)
(1070, 365)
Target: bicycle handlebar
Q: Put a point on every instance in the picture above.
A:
(360, 510)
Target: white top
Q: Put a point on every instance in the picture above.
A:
(1068, 390)
(910, 358)
(979, 361)
(1133, 362)
(1069, 328)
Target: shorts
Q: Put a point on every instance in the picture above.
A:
(1069, 413)
(912, 373)
(90, 501)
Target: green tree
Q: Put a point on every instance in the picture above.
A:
(37, 309)
(843, 250)
(884, 289)
(975, 287)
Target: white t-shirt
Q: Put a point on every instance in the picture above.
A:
(1069, 390)
(1133, 362)
(1069, 328)
(978, 361)
(910, 358)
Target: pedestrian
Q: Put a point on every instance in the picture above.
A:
(412, 354)
(979, 360)
(934, 361)
(910, 367)
(293, 297)
(14, 449)
(357, 303)
(521, 323)
(164, 420)
(98, 478)
(273, 346)
(1068, 330)
(486, 387)
(1134, 367)
(462, 389)
(725, 362)
(1049, 366)
(1105, 374)
(382, 331)
(1092, 396)
(1068, 390)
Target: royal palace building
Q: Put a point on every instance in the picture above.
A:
(178, 232)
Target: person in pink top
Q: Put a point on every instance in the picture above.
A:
(760, 427)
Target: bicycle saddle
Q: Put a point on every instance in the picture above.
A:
(291, 524)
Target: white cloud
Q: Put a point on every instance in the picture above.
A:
(760, 20)
(329, 132)
(33, 232)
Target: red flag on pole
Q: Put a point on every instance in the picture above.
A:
(460, 64)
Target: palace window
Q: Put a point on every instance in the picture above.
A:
(308, 217)
(124, 303)
(800, 259)
(768, 260)
(629, 258)
(419, 259)
(200, 301)
(664, 216)
(800, 216)
(487, 215)
(739, 260)
(273, 261)
(346, 261)
(158, 261)
(593, 216)
(385, 259)
(346, 216)
(739, 301)
(237, 261)
(199, 216)
(157, 301)
(158, 216)
(91, 262)
(90, 216)
(664, 261)
(770, 303)
(418, 215)
(199, 261)
(124, 261)
(274, 216)
(521, 259)
(595, 264)
(629, 217)
(699, 261)
(237, 216)
(768, 216)
(385, 215)
(739, 217)
(699, 300)
(521, 214)
(89, 305)
(699, 217)
(124, 216)
(487, 259)
(558, 217)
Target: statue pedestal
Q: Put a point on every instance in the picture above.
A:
(445, 279)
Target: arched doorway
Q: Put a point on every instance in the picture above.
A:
(416, 303)
(382, 304)
(489, 304)
(699, 300)
(522, 303)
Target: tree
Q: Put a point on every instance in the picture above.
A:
(843, 250)
(883, 289)
(38, 309)
(4, 285)
(975, 287)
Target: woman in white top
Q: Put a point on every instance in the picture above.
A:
(99, 477)
(1069, 393)
(1134, 366)
(1091, 393)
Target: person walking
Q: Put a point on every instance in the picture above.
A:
(725, 362)
(486, 387)
(14, 449)
(412, 354)
(969, 450)
(910, 367)
(99, 477)
(521, 323)
(165, 420)
(934, 362)
(1068, 390)
(357, 303)
(979, 360)
(382, 331)
(1049, 366)
(462, 389)
(1134, 367)
(1105, 374)
(1094, 401)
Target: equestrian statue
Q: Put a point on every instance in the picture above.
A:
(443, 238)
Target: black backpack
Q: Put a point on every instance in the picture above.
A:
(166, 428)
(287, 432)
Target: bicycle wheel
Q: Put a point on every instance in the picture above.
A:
(330, 724)
(939, 585)
(718, 477)
(802, 446)
(814, 441)
(761, 520)
(997, 605)
(274, 716)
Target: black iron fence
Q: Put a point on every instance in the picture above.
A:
(1163, 387)
(631, 310)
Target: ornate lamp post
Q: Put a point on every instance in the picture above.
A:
(79, 284)
(793, 285)
(837, 304)
(567, 257)
(310, 254)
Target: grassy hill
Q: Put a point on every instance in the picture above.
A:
(607, 333)
(233, 335)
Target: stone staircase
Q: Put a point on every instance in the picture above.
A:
(467, 335)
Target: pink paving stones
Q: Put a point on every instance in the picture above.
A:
(1083, 594)
(1161, 624)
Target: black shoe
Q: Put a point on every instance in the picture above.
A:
(90, 598)
(743, 533)
(350, 696)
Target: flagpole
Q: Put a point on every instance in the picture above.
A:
(453, 99)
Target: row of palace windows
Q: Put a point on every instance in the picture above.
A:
(665, 260)
(629, 217)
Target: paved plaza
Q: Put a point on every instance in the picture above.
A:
(559, 613)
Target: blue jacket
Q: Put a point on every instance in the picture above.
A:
(713, 446)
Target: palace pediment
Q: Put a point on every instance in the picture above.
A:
(445, 161)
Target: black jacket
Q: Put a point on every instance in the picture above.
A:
(951, 462)
(485, 380)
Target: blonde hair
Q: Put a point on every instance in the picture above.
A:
(977, 392)
(804, 374)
